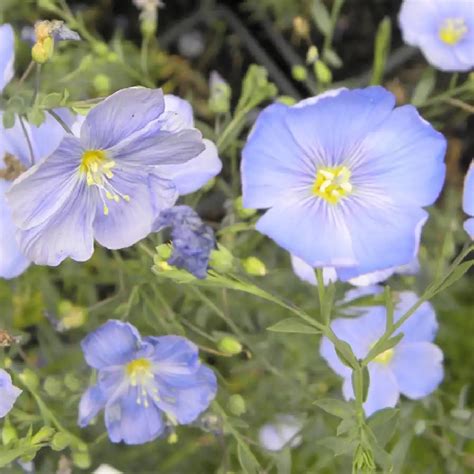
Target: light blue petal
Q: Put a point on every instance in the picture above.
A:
(181, 108)
(12, 262)
(43, 139)
(126, 222)
(113, 343)
(418, 367)
(176, 360)
(8, 393)
(360, 333)
(186, 404)
(132, 423)
(383, 236)
(39, 193)
(468, 194)
(68, 233)
(328, 132)
(418, 18)
(273, 162)
(163, 193)
(422, 324)
(92, 401)
(383, 389)
(401, 161)
(122, 115)
(195, 173)
(469, 227)
(7, 54)
(310, 229)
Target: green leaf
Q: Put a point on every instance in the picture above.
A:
(335, 407)
(36, 116)
(293, 325)
(382, 48)
(383, 423)
(8, 118)
(321, 17)
(456, 275)
(247, 460)
(283, 461)
(345, 354)
(347, 425)
(51, 100)
(386, 345)
(337, 445)
(424, 87)
(332, 58)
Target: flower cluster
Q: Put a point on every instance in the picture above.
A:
(144, 384)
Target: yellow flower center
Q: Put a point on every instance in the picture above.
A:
(332, 183)
(452, 31)
(141, 376)
(97, 169)
(385, 357)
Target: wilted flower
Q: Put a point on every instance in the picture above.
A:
(193, 240)
(280, 433)
(412, 368)
(7, 54)
(8, 393)
(142, 381)
(15, 158)
(345, 177)
(468, 200)
(111, 183)
(46, 33)
(442, 29)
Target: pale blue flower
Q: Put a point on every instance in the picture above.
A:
(109, 184)
(7, 54)
(193, 240)
(143, 384)
(8, 393)
(468, 200)
(15, 157)
(442, 29)
(413, 367)
(281, 432)
(345, 177)
(307, 273)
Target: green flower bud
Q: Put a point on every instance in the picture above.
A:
(44, 434)
(254, 266)
(312, 55)
(148, 27)
(241, 211)
(100, 48)
(221, 260)
(52, 386)
(82, 460)
(164, 251)
(101, 84)
(30, 379)
(220, 94)
(9, 433)
(72, 382)
(173, 438)
(60, 441)
(322, 72)
(71, 316)
(299, 73)
(229, 345)
(237, 405)
(112, 57)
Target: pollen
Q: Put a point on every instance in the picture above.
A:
(138, 368)
(97, 168)
(332, 183)
(385, 357)
(452, 31)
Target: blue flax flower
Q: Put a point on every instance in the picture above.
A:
(468, 200)
(143, 383)
(281, 432)
(345, 177)
(15, 158)
(442, 29)
(7, 54)
(412, 368)
(8, 393)
(109, 184)
(193, 240)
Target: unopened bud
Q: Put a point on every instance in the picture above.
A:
(29, 378)
(237, 405)
(299, 73)
(221, 260)
(44, 434)
(101, 84)
(229, 345)
(173, 438)
(60, 441)
(322, 72)
(241, 211)
(82, 460)
(52, 386)
(42, 51)
(254, 266)
(164, 251)
(312, 55)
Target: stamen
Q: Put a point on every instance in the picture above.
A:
(452, 31)
(332, 184)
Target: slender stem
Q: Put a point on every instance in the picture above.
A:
(28, 141)
(37, 83)
(60, 121)
(144, 53)
(336, 8)
(27, 72)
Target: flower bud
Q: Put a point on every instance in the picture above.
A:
(52, 386)
(220, 94)
(60, 441)
(72, 382)
(241, 211)
(237, 405)
(82, 460)
(164, 251)
(9, 433)
(30, 379)
(44, 434)
(221, 260)
(299, 73)
(101, 84)
(322, 72)
(254, 266)
(42, 51)
(312, 55)
(229, 345)
(173, 438)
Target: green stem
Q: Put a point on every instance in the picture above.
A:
(336, 8)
